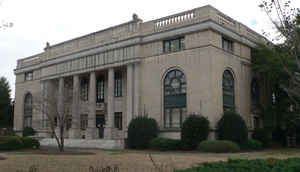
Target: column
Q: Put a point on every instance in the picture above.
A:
(74, 132)
(60, 104)
(110, 105)
(129, 112)
(92, 130)
(136, 89)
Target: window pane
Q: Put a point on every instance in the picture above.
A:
(100, 90)
(118, 84)
(84, 89)
(182, 44)
(228, 90)
(173, 45)
(118, 120)
(174, 98)
(176, 118)
(167, 118)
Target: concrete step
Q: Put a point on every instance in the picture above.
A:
(84, 143)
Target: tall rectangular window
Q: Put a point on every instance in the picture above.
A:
(69, 122)
(84, 89)
(227, 44)
(28, 76)
(100, 90)
(118, 84)
(118, 120)
(173, 45)
(83, 121)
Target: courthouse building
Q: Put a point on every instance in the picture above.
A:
(194, 62)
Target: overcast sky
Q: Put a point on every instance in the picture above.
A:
(39, 21)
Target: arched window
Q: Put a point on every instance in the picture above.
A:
(28, 110)
(228, 91)
(255, 92)
(174, 99)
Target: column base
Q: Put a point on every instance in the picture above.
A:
(108, 133)
(74, 133)
(91, 133)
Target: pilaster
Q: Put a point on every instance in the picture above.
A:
(136, 89)
(74, 131)
(110, 105)
(129, 95)
(91, 130)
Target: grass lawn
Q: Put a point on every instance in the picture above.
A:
(126, 160)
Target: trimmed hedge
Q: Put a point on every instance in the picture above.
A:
(218, 146)
(232, 127)
(194, 129)
(263, 136)
(11, 143)
(258, 165)
(164, 144)
(141, 131)
(30, 143)
(28, 131)
(253, 145)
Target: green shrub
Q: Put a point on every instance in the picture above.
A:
(30, 143)
(164, 144)
(141, 131)
(263, 136)
(218, 146)
(194, 129)
(232, 127)
(257, 165)
(11, 143)
(253, 145)
(279, 136)
(28, 131)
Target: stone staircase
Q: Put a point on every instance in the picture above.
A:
(84, 143)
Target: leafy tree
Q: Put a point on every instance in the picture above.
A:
(286, 20)
(272, 77)
(5, 104)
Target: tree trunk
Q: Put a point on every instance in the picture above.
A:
(61, 149)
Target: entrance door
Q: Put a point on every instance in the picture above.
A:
(100, 122)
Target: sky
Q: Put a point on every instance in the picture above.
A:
(36, 22)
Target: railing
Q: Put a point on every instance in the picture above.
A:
(29, 61)
(222, 19)
(175, 19)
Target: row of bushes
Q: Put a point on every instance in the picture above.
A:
(8, 143)
(232, 133)
(258, 165)
(216, 146)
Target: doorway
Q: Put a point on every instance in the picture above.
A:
(100, 123)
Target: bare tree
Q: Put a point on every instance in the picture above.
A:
(56, 104)
(286, 20)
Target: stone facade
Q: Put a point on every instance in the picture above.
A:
(133, 60)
